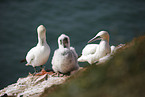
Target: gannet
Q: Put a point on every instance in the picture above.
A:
(93, 52)
(38, 55)
(65, 57)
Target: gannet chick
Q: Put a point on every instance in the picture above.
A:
(93, 52)
(39, 54)
(65, 57)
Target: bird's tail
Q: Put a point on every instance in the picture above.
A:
(24, 60)
(81, 59)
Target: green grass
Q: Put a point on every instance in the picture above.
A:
(122, 76)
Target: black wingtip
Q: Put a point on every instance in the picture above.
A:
(24, 60)
(79, 55)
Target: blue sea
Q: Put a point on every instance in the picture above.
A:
(79, 19)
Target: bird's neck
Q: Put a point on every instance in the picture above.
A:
(41, 41)
(105, 39)
(104, 46)
(103, 42)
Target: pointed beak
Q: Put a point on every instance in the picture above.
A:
(94, 39)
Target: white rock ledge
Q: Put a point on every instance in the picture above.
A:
(32, 86)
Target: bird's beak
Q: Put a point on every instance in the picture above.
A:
(94, 39)
(65, 42)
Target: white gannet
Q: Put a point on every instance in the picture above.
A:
(65, 57)
(93, 52)
(39, 54)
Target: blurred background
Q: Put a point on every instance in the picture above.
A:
(79, 19)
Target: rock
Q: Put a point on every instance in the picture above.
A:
(31, 85)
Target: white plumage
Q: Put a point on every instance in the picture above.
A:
(39, 54)
(65, 57)
(93, 52)
(89, 49)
